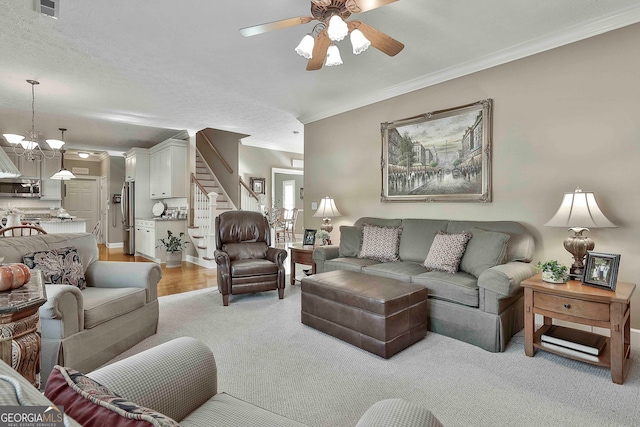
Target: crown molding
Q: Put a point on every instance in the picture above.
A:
(613, 21)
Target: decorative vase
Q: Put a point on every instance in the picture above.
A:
(547, 276)
(13, 220)
(174, 259)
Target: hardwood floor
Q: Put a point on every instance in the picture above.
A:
(189, 277)
(174, 280)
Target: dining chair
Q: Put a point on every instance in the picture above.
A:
(21, 230)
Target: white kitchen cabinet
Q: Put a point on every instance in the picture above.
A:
(41, 168)
(168, 170)
(30, 169)
(130, 167)
(50, 189)
(136, 163)
(145, 235)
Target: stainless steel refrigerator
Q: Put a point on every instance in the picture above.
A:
(128, 217)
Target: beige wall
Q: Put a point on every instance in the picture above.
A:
(258, 162)
(564, 118)
(227, 144)
(94, 168)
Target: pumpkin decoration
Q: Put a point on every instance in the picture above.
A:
(13, 276)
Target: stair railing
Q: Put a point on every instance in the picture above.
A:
(249, 200)
(203, 214)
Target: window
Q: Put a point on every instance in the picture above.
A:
(289, 194)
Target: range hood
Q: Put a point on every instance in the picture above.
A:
(20, 187)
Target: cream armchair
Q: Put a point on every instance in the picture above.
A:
(86, 328)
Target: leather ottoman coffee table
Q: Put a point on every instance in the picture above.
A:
(380, 315)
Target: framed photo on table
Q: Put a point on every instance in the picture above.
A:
(440, 156)
(601, 270)
(309, 238)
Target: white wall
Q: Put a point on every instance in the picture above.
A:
(564, 118)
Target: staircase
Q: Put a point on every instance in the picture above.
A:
(204, 211)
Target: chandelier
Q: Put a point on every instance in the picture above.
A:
(29, 147)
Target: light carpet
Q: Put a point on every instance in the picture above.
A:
(266, 356)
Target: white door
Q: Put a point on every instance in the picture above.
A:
(81, 200)
(104, 210)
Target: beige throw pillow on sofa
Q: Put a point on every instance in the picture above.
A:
(380, 243)
(446, 251)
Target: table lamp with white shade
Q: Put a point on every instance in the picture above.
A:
(579, 212)
(326, 211)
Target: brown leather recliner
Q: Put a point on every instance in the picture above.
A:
(246, 263)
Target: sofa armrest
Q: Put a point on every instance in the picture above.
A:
(173, 378)
(505, 279)
(62, 315)
(324, 253)
(115, 274)
(398, 413)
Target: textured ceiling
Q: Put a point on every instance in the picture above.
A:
(126, 73)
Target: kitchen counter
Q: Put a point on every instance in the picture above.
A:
(57, 225)
(59, 220)
(162, 218)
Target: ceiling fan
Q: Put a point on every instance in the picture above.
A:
(333, 26)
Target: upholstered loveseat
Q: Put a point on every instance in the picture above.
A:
(481, 304)
(178, 379)
(86, 328)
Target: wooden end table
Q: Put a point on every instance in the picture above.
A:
(301, 254)
(19, 322)
(574, 302)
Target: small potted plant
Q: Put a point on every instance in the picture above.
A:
(324, 237)
(553, 272)
(173, 245)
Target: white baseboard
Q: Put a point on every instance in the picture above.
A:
(115, 245)
(201, 262)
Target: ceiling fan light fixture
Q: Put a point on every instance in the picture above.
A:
(305, 48)
(333, 56)
(338, 29)
(359, 42)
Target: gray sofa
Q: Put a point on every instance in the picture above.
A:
(179, 379)
(481, 304)
(85, 329)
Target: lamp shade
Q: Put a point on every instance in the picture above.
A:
(579, 210)
(63, 175)
(7, 168)
(12, 138)
(338, 29)
(55, 144)
(359, 42)
(305, 48)
(333, 56)
(327, 209)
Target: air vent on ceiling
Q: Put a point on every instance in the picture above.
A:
(49, 8)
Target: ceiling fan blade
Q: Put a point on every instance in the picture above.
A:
(319, 51)
(359, 6)
(277, 25)
(378, 39)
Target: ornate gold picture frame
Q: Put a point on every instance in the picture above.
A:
(441, 156)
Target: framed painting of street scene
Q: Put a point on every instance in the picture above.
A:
(442, 156)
